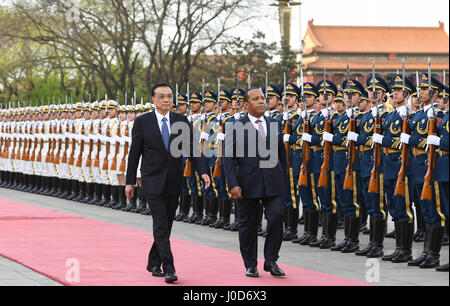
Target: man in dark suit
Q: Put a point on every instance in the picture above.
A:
(161, 174)
(252, 183)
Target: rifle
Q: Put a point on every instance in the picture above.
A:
(59, 132)
(427, 191)
(374, 183)
(66, 141)
(117, 149)
(99, 142)
(303, 178)
(123, 162)
(287, 124)
(323, 178)
(72, 157)
(400, 187)
(108, 148)
(218, 164)
(49, 158)
(188, 166)
(83, 132)
(348, 181)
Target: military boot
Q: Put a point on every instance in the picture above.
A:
(405, 253)
(398, 243)
(306, 218)
(221, 208)
(332, 222)
(325, 223)
(292, 224)
(234, 227)
(427, 245)
(433, 247)
(378, 239)
(194, 200)
(114, 197)
(198, 210)
(419, 235)
(106, 192)
(369, 247)
(353, 241)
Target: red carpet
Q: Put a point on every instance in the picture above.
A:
(109, 254)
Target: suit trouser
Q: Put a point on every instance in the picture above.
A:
(163, 209)
(248, 223)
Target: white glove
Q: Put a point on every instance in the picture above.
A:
(220, 136)
(430, 113)
(306, 137)
(286, 137)
(324, 112)
(285, 116)
(352, 136)
(303, 114)
(328, 137)
(237, 116)
(189, 118)
(267, 114)
(204, 136)
(203, 117)
(374, 112)
(433, 141)
(402, 111)
(377, 138)
(349, 112)
(404, 138)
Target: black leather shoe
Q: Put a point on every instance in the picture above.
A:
(443, 268)
(252, 272)
(272, 267)
(171, 277)
(156, 271)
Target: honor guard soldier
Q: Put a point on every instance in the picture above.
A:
(339, 105)
(141, 202)
(274, 95)
(353, 91)
(237, 98)
(225, 201)
(399, 203)
(105, 148)
(195, 101)
(113, 140)
(307, 185)
(209, 131)
(185, 197)
(86, 156)
(442, 165)
(423, 163)
(323, 171)
(370, 122)
(126, 132)
(291, 202)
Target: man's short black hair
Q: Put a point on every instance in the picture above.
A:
(246, 96)
(160, 85)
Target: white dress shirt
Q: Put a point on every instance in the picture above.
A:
(253, 121)
(160, 117)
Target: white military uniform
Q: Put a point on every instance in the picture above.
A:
(94, 136)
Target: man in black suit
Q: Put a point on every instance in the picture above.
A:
(254, 183)
(161, 174)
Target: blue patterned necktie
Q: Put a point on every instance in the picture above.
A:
(165, 133)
